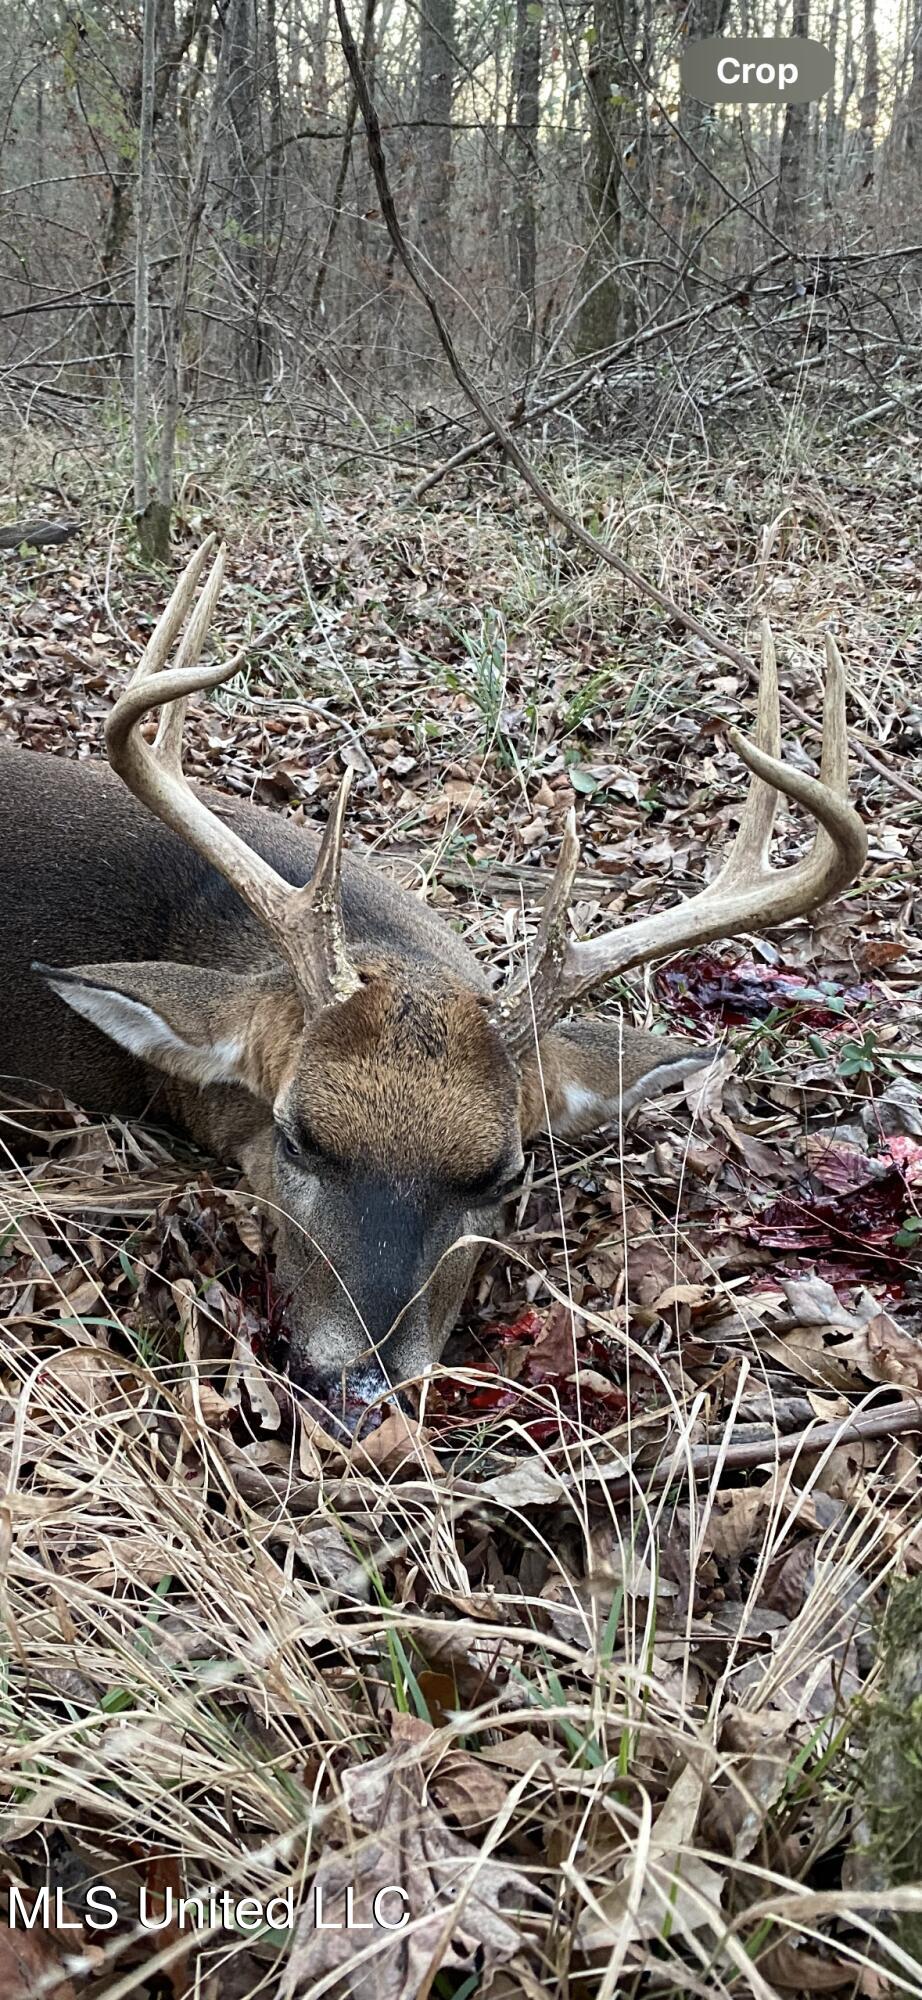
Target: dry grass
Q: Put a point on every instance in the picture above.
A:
(605, 1733)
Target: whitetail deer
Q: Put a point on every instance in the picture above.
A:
(296, 1013)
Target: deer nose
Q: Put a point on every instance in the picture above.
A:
(350, 1403)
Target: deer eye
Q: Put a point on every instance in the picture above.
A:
(296, 1149)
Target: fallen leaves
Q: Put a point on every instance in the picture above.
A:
(677, 1892)
(550, 1633)
(24, 1961)
(398, 1446)
(836, 1346)
(453, 1906)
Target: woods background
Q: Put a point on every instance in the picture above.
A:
(611, 1658)
(608, 252)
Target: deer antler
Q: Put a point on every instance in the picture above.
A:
(748, 894)
(305, 923)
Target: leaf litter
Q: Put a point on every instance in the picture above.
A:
(586, 1717)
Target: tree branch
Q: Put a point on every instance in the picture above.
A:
(510, 445)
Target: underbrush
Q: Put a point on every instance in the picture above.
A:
(585, 1660)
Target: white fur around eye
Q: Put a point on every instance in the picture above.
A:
(146, 1034)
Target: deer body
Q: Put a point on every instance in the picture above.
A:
(167, 949)
(434, 1089)
(145, 894)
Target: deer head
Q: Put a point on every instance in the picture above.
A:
(379, 1103)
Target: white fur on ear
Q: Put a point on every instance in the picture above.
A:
(665, 1075)
(144, 1033)
(581, 1105)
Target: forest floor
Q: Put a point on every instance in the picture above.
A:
(585, 1664)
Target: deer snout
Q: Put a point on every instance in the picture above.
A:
(367, 1311)
(351, 1402)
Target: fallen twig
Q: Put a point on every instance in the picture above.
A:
(699, 1463)
(37, 534)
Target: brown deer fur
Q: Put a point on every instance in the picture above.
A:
(402, 1100)
(174, 953)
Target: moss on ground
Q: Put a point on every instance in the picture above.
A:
(892, 1764)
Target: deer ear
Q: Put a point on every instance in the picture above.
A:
(593, 1073)
(196, 1023)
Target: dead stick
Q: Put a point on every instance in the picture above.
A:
(889, 1421)
(504, 436)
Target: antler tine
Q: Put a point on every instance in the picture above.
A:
(168, 740)
(171, 618)
(315, 923)
(306, 923)
(529, 1002)
(754, 833)
(747, 894)
(834, 763)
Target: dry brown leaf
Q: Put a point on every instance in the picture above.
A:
(399, 1444)
(466, 1790)
(836, 1345)
(758, 1746)
(28, 1960)
(836, 1163)
(896, 1354)
(735, 1519)
(83, 1296)
(522, 1752)
(245, 1372)
(465, 1909)
(214, 1407)
(704, 1090)
(682, 1295)
(680, 1892)
(86, 1373)
(801, 1971)
(762, 1160)
(463, 794)
(529, 1484)
(814, 1303)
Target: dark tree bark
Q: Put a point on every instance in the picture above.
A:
(697, 125)
(609, 95)
(37, 534)
(173, 44)
(245, 204)
(336, 206)
(793, 176)
(435, 90)
(870, 93)
(523, 157)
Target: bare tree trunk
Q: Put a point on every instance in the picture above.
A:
(790, 206)
(434, 101)
(323, 263)
(697, 124)
(833, 121)
(244, 206)
(608, 93)
(870, 94)
(145, 520)
(122, 181)
(175, 320)
(523, 154)
(273, 200)
(913, 139)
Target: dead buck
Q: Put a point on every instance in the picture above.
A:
(298, 1014)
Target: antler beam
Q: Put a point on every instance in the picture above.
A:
(747, 895)
(306, 923)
